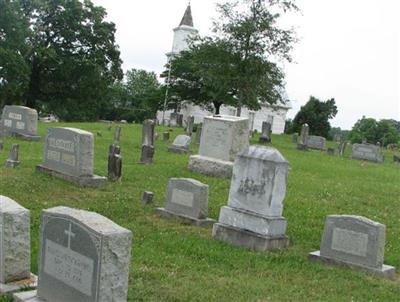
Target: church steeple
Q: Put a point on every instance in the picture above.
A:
(187, 18)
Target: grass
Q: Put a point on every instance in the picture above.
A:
(175, 262)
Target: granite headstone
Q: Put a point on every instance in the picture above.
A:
(20, 121)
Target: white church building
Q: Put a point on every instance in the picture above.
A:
(272, 113)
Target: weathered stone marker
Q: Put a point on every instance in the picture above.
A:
(166, 137)
(189, 125)
(342, 147)
(12, 160)
(179, 119)
(181, 144)
(147, 142)
(147, 197)
(117, 135)
(266, 131)
(253, 217)
(356, 242)
(15, 247)
(316, 142)
(114, 163)
(367, 152)
(69, 154)
(187, 201)
(83, 257)
(302, 141)
(20, 121)
(222, 138)
(198, 134)
(172, 119)
(330, 151)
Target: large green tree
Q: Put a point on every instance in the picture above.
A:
(316, 114)
(236, 64)
(70, 54)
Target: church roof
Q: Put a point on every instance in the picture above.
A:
(187, 18)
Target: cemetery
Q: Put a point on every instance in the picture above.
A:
(265, 240)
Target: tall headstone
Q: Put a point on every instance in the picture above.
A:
(147, 142)
(20, 121)
(356, 242)
(342, 147)
(316, 142)
(69, 154)
(189, 125)
(266, 131)
(114, 163)
(83, 257)
(187, 201)
(173, 119)
(117, 135)
(253, 217)
(180, 144)
(179, 120)
(252, 115)
(198, 134)
(222, 138)
(12, 160)
(367, 152)
(15, 247)
(303, 139)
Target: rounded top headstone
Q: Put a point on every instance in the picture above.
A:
(264, 153)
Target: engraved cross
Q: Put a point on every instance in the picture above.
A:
(69, 234)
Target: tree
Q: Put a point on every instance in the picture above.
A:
(71, 56)
(235, 66)
(373, 131)
(316, 114)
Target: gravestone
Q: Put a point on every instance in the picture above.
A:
(252, 115)
(114, 163)
(266, 130)
(303, 139)
(179, 120)
(12, 160)
(181, 144)
(295, 138)
(83, 257)
(156, 136)
(342, 147)
(15, 247)
(222, 138)
(20, 121)
(117, 135)
(330, 151)
(147, 197)
(172, 119)
(316, 142)
(356, 242)
(198, 134)
(69, 154)
(187, 201)
(367, 152)
(253, 217)
(166, 137)
(147, 142)
(189, 125)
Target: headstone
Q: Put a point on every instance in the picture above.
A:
(303, 139)
(330, 151)
(12, 160)
(251, 121)
(356, 242)
(117, 135)
(295, 138)
(83, 257)
(316, 142)
(189, 125)
(266, 131)
(181, 144)
(367, 152)
(198, 134)
(165, 137)
(156, 136)
(187, 201)
(20, 121)
(253, 217)
(147, 197)
(114, 163)
(15, 247)
(179, 120)
(147, 142)
(69, 154)
(172, 119)
(222, 138)
(342, 147)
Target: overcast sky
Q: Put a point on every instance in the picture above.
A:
(348, 49)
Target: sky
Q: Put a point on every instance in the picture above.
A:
(348, 49)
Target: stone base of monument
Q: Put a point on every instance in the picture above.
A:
(93, 181)
(387, 271)
(248, 239)
(179, 150)
(210, 166)
(19, 285)
(29, 296)
(184, 218)
(25, 137)
(12, 163)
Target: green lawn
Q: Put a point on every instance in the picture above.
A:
(176, 262)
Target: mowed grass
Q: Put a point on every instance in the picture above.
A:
(175, 262)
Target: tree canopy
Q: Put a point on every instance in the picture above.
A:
(64, 55)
